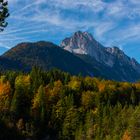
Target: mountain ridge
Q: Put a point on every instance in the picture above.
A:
(46, 55)
(94, 59)
(113, 58)
(85, 43)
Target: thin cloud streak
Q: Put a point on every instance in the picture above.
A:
(113, 22)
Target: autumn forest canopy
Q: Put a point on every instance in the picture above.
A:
(56, 105)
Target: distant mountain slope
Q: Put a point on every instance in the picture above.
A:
(112, 62)
(45, 55)
(114, 73)
(9, 64)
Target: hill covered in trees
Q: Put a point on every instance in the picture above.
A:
(54, 105)
(45, 55)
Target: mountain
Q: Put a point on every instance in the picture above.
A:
(80, 53)
(112, 62)
(45, 55)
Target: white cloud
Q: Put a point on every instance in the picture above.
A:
(101, 29)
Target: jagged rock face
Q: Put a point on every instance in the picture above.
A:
(135, 64)
(123, 58)
(81, 43)
(84, 43)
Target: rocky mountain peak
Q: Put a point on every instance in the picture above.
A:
(80, 43)
(84, 43)
(83, 35)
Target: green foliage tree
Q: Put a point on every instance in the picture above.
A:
(39, 104)
(36, 78)
(134, 124)
(21, 98)
(70, 124)
(88, 99)
(4, 13)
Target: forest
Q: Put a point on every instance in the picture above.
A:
(55, 105)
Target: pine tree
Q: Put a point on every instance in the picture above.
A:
(71, 122)
(39, 104)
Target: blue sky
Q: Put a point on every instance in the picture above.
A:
(112, 22)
